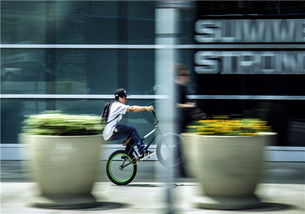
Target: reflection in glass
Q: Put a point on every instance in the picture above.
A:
(31, 71)
(77, 22)
(62, 22)
(76, 71)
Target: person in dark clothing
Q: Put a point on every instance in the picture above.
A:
(183, 107)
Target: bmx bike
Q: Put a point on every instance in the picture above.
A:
(121, 167)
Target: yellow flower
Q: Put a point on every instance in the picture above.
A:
(222, 125)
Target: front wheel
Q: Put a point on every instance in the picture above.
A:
(121, 168)
(166, 150)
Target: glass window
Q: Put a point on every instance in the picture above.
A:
(250, 7)
(76, 71)
(13, 112)
(221, 76)
(250, 84)
(186, 26)
(23, 22)
(49, 71)
(78, 22)
(141, 22)
(61, 22)
(141, 72)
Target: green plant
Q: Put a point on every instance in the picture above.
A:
(56, 123)
(223, 125)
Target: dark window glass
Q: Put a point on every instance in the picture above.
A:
(141, 72)
(141, 22)
(65, 22)
(23, 22)
(49, 71)
(76, 71)
(250, 7)
(77, 22)
(186, 26)
(250, 84)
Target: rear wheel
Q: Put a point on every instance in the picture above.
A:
(166, 150)
(121, 168)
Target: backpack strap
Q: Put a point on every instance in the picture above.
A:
(113, 119)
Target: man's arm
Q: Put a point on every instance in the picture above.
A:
(139, 108)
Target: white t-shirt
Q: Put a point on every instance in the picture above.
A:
(116, 108)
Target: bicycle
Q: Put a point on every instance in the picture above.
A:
(121, 165)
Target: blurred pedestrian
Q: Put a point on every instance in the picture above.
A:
(182, 108)
(183, 105)
(186, 111)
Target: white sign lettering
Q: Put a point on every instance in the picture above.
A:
(250, 62)
(238, 31)
(250, 30)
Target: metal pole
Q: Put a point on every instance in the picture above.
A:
(166, 30)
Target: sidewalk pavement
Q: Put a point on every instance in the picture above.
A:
(282, 191)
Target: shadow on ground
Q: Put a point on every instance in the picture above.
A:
(265, 207)
(142, 185)
(99, 206)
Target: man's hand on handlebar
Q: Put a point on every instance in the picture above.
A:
(149, 108)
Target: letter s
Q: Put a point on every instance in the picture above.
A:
(207, 62)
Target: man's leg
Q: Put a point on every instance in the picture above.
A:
(129, 131)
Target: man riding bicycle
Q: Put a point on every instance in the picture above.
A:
(115, 131)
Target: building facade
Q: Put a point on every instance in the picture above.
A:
(245, 58)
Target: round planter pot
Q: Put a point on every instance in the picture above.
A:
(64, 167)
(227, 167)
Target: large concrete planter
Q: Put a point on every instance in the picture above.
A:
(227, 167)
(64, 167)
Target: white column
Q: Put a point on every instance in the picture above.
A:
(166, 31)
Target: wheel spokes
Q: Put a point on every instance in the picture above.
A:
(121, 168)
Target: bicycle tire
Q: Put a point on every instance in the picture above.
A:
(121, 176)
(163, 150)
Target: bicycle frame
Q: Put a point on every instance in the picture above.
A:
(155, 131)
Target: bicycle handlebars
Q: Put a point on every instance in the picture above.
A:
(155, 117)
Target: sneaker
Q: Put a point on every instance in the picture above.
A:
(146, 154)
